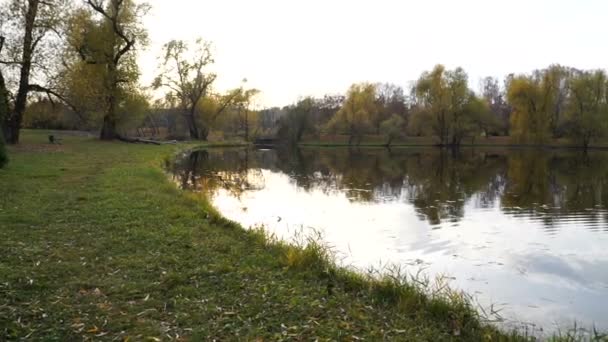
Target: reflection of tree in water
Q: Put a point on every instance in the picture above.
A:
(211, 170)
(439, 183)
(547, 186)
(553, 185)
(436, 182)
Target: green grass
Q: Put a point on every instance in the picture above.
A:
(97, 244)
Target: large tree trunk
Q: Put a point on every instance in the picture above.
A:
(12, 129)
(3, 113)
(204, 133)
(108, 130)
(4, 108)
(13, 122)
(192, 126)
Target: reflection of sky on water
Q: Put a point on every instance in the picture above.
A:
(500, 259)
(535, 263)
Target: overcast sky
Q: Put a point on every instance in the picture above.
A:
(293, 48)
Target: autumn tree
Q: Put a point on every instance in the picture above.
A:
(246, 117)
(187, 79)
(480, 116)
(110, 42)
(393, 127)
(325, 109)
(390, 100)
(495, 97)
(357, 114)
(297, 120)
(539, 101)
(554, 85)
(81, 79)
(28, 31)
(530, 120)
(587, 112)
(444, 98)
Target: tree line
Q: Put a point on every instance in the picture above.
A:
(536, 108)
(73, 65)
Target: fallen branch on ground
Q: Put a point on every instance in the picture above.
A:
(145, 141)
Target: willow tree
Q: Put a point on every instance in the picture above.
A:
(530, 120)
(393, 127)
(297, 120)
(187, 79)
(358, 112)
(110, 40)
(588, 107)
(539, 102)
(444, 98)
(229, 111)
(554, 85)
(495, 97)
(81, 78)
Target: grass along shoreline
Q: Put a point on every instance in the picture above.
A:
(97, 244)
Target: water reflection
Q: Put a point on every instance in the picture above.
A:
(553, 187)
(228, 170)
(522, 228)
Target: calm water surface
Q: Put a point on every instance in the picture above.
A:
(524, 231)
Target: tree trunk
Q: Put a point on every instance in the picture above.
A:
(390, 140)
(204, 133)
(13, 124)
(246, 126)
(3, 113)
(192, 126)
(586, 142)
(108, 130)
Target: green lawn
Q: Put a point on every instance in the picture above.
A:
(96, 243)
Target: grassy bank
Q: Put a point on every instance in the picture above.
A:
(97, 244)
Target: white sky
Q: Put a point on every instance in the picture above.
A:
(294, 48)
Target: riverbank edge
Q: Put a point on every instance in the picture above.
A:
(392, 286)
(430, 145)
(408, 294)
(447, 311)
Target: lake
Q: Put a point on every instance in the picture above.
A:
(523, 231)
